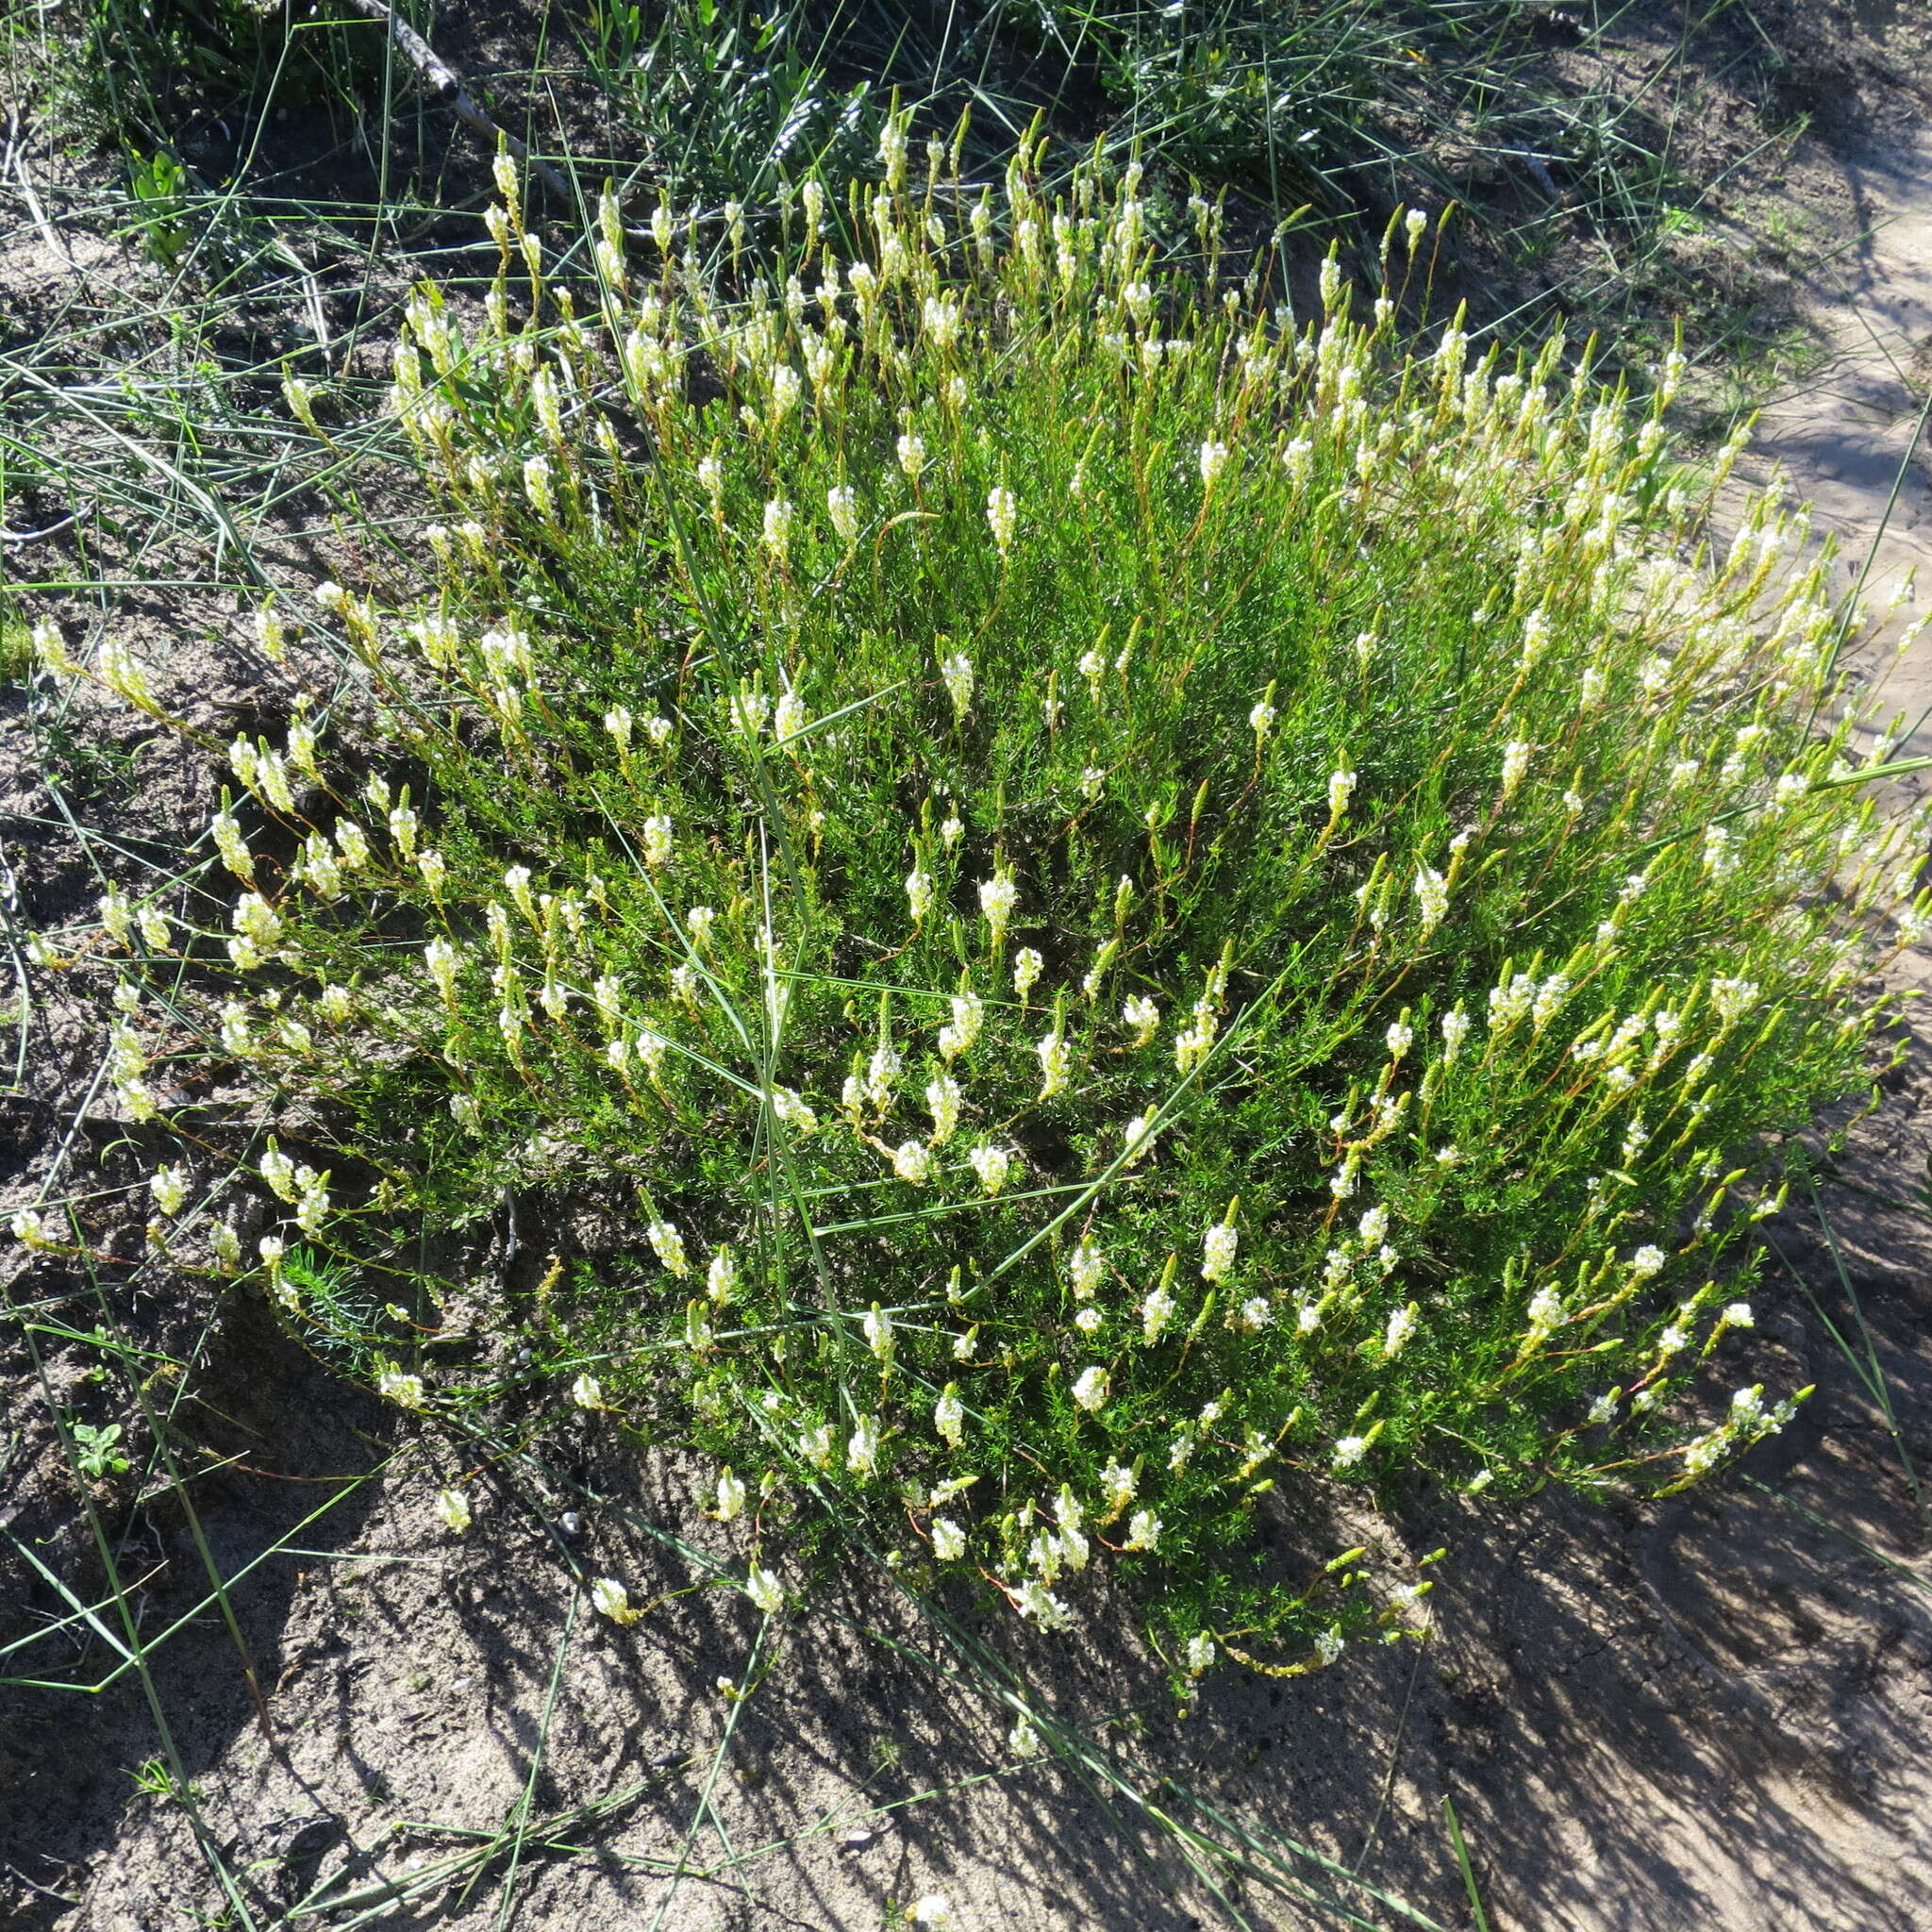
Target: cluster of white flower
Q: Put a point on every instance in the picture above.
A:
(992, 1165)
(1747, 1420)
(1432, 897)
(404, 1391)
(943, 1099)
(169, 1187)
(882, 1074)
(1086, 1270)
(127, 1072)
(1218, 1248)
(749, 710)
(1003, 518)
(300, 1185)
(998, 896)
(1731, 999)
(1157, 1312)
(1194, 1041)
(667, 1244)
(258, 932)
(30, 1227)
(962, 1033)
(1056, 1064)
(1027, 967)
(956, 672)
(862, 1447)
(610, 1598)
(1516, 755)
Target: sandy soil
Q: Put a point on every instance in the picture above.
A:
(1852, 437)
(1716, 1712)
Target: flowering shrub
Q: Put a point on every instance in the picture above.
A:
(1153, 909)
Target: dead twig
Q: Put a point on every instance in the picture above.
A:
(444, 83)
(53, 530)
(15, 159)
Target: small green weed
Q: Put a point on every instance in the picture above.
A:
(345, 1318)
(156, 181)
(98, 1451)
(81, 762)
(154, 1779)
(16, 644)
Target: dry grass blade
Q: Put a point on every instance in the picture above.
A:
(368, 1901)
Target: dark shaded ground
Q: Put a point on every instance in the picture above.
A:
(1714, 1711)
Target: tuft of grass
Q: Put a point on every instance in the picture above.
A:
(1529, 123)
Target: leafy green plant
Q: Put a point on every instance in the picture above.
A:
(98, 1451)
(157, 1778)
(1156, 914)
(346, 1321)
(16, 644)
(156, 181)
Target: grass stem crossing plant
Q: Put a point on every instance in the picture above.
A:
(1153, 911)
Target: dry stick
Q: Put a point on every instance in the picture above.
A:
(15, 157)
(445, 85)
(53, 530)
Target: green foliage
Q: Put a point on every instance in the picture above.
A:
(16, 644)
(157, 180)
(146, 72)
(343, 1318)
(98, 1451)
(1523, 117)
(156, 1779)
(1152, 912)
(729, 100)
